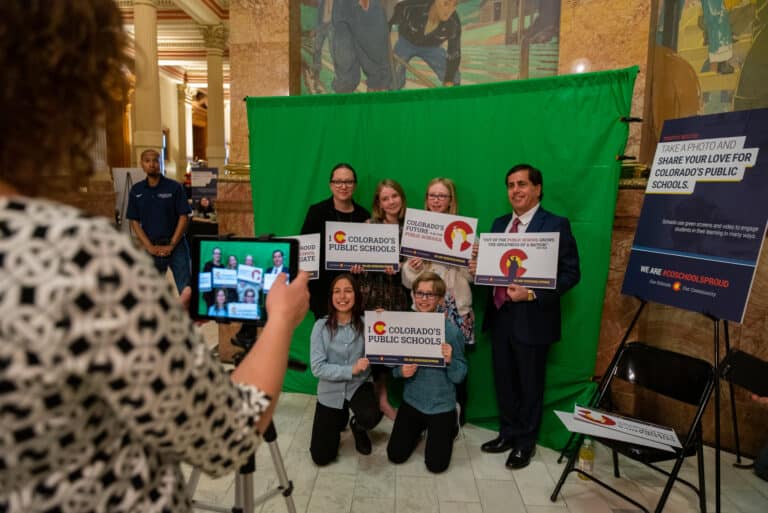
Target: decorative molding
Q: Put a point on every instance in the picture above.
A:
(634, 175)
(236, 172)
(215, 36)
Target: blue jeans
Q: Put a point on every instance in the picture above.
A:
(179, 263)
(360, 41)
(435, 56)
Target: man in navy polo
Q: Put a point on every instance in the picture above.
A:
(159, 212)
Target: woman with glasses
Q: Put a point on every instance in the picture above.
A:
(340, 207)
(441, 198)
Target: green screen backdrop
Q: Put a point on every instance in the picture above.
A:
(567, 126)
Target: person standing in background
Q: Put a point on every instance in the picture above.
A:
(159, 214)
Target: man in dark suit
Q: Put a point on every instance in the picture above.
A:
(277, 262)
(525, 322)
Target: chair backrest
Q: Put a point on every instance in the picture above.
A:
(681, 377)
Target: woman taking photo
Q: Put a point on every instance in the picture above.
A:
(340, 207)
(86, 423)
(337, 358)
(441, 198)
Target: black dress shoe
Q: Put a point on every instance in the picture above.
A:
(498, 444)
(520, 458)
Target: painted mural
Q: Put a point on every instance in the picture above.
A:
(376, 45)
(715, 53)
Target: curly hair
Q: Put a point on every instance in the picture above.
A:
(63, 62)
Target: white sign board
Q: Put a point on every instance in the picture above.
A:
(249, 273)
(527, 259)
(442, 238)
(373, 246)
(309, 254)
(404, 338)
(594, 422)
(226, 278)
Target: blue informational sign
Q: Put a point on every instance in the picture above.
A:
(704, 217)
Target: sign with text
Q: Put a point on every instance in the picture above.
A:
(249, 273)
(616, 426)
(226, 278)
(587, 428)
(439, 237)
(404, 338)
(243, 310)
(528, 259)
(373, 246)
(703, 222)
(309, 254)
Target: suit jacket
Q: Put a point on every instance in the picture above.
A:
(538, 321)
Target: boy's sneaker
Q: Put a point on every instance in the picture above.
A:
(362, 441)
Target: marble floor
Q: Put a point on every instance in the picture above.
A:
(475, 482)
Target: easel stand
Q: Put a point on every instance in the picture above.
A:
(245, 502)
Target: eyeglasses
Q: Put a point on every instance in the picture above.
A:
(424, 295)
(441, 197)
(343, 183)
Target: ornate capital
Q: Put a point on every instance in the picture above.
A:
(215, 36)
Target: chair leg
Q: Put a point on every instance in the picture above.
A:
(568, 468)
(670, 482)
(615, 463)
(700, 461)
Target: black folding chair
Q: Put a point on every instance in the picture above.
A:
(666, 373)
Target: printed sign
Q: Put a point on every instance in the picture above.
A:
(249, 273)
(226, 278)
(309, 254)
(439, 237)
(404, 338)
(616, 427)
(204, 282)
(704, 216)
(243, 310)
(527, 259)
(586, 428)
(374, 246)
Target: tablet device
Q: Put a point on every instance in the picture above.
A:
(231, 277)
(747, 371)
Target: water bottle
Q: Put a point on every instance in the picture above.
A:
(586, 458)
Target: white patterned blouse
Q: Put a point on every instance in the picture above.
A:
(105, 385)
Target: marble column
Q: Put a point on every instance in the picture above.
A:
(215, 42)
(259, 62)
(148, 130)
(184, 107)
(585, 27)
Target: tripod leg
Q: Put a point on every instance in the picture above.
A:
(194, 478)
(270, 435)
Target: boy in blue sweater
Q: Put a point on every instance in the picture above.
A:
(429, 394)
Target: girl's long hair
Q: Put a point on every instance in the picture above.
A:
(332, 323)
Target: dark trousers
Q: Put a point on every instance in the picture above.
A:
(330, 422)
(519, 372)
(406, 433)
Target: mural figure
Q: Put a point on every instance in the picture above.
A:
(424, 28)
(375, 45)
